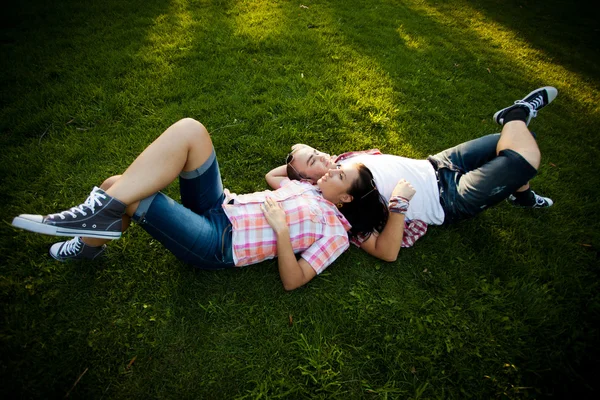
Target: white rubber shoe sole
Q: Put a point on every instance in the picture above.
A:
(34, 223)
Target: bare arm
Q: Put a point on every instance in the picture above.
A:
(293, 273)
(276, 175)
(386, 245)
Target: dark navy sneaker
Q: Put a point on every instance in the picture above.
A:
(75, 249)
(534, 101)
(539, 201)
(99, 217)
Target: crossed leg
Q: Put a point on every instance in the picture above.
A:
(489, 169)
(517, 137)
(181, 149)
(184, 146)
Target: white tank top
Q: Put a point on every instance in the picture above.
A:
(387, 170)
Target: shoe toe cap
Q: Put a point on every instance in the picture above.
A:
(24, 218)
(54, 250)
(552, 93)
(32, 217)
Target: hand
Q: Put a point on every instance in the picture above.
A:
(274, 214)
(404, 189)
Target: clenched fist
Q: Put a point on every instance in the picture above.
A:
(404, 189)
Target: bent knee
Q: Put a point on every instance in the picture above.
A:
(532, 156)
(521, 166)
(188, 121)
(109, 182)
(192, 129)
(192, 125)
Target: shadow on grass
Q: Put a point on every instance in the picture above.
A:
(570, 29)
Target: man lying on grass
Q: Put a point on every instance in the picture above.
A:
(214, 229)
(456, 184)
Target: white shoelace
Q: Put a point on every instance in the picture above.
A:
(533, 105)
(90, 203)
(70, 247)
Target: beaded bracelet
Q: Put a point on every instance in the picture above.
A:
(398, 204)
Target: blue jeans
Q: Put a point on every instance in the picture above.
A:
(472, 177)
(197, 231)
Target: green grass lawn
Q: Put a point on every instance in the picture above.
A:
(505, 305)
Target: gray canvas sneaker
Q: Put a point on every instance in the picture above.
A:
(99, 217)
(533, 102)
(75, 249)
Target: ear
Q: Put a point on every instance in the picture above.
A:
(346, 198)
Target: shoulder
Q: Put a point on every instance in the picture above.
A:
(350, 154)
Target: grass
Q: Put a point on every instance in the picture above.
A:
(502, 306)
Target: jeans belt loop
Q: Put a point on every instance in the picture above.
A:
(434, 164)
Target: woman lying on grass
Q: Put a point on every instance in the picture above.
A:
(213, 228)
(453, 185)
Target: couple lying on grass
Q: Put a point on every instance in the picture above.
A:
(321, 203)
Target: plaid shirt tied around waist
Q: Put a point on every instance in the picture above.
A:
(317, 229)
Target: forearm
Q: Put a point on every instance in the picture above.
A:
(389, 242)
(291, 273)
(275, 176)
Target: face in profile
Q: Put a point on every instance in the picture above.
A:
(310, 163)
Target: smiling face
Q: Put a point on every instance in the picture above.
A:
(336, 183)
(310, 163)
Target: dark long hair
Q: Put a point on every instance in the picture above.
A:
(368, 210)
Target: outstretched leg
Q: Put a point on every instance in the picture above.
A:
(184, 146)
(87, 248)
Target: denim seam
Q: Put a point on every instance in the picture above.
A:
(142, 209)
(229, 226)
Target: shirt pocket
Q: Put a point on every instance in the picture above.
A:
(316, 214)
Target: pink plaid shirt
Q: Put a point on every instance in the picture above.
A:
(413, 229)
(317, 228)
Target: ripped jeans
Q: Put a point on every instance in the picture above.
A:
(471, 177)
